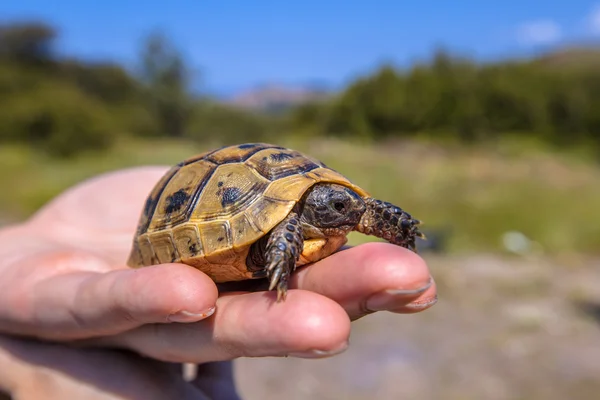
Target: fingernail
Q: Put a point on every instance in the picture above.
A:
(316, 353)
(389, 298)
(422, 304)
(187, 316)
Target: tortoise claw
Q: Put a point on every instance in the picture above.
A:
(281, 292)
(275, 277)
(278, 273)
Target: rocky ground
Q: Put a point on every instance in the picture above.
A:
(504, 328)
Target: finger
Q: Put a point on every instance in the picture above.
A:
(306, 325)
(371, 277)
(85, 304)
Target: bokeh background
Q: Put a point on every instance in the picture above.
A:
(481, 118)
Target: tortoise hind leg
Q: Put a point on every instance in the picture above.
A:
(283, 249)
(389, 222)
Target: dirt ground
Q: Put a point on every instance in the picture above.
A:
(504, 328)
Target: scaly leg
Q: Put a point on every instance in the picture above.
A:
(284, 246)
(389, 222)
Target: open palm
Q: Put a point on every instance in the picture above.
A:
(63, 278)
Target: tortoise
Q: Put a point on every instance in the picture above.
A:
(258, 210)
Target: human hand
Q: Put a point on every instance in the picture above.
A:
(63, 277)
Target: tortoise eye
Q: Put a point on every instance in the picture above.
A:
(338, 206)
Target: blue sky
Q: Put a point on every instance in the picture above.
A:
(243, 43)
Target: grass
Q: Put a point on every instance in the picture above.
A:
(478, 194)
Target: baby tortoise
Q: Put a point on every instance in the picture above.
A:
(258, 210)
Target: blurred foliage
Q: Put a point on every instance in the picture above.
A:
(454, 98)
(64, 105)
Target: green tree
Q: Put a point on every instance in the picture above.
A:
(166, 79)
(57, 119)
(30, 43)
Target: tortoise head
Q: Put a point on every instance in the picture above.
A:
(331, 210)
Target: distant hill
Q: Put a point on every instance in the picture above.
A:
(574, 56)
(276, 98)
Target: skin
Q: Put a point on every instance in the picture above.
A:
(327, 211)
(75, 320)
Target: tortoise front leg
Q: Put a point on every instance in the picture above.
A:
(389, 222)
(284, 246)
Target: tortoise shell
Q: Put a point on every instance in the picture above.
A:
(209, 209)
